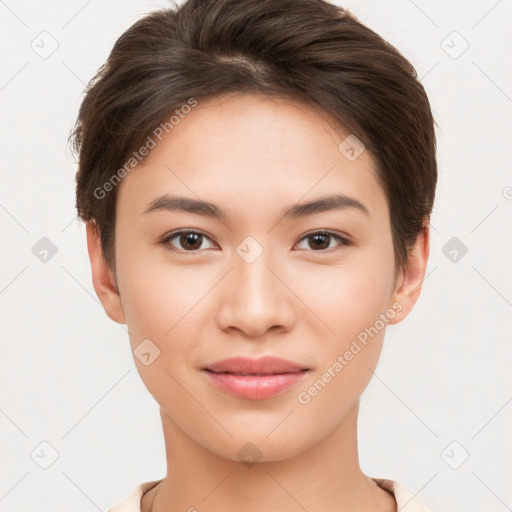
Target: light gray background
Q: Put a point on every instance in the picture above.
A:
(67, 376)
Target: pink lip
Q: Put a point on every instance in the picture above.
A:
(255, 379)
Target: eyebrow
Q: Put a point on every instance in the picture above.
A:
(199, 207)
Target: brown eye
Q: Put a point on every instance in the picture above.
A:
(188, 241)
(321, 240)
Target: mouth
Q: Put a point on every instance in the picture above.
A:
(255, 379)
(254, 374)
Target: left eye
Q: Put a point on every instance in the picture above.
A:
(321, 240)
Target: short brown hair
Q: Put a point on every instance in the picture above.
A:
(308, 50)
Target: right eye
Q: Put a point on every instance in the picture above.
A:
(190, 240)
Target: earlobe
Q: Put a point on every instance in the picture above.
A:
(411, 278)
(103, 277)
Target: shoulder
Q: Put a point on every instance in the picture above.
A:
(132, 502)
(405, 500)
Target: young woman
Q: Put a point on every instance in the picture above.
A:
(257, 179)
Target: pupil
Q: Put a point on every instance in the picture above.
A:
(190, 237)
(321, 237)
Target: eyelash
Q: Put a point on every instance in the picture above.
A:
(166, 240)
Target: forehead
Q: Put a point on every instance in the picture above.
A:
(247, 151)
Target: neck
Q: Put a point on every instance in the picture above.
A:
(324, 477)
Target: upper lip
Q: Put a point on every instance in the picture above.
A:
(247, 365)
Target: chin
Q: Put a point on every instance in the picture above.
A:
(253, 446)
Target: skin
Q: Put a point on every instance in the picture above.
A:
(254, 157)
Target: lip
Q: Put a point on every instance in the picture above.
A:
(255, 379)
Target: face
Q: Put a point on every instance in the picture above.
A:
(314, 286)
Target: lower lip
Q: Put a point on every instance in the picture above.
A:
(255, 387)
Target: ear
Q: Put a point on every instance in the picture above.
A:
(103, 278)
(410, 279)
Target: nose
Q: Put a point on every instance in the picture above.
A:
(255, 298)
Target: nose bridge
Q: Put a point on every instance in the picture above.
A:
(255, 283)
(255, 300)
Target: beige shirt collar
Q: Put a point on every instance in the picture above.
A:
(406, 502)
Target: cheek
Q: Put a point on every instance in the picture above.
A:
(352, 305)
(156, 295)
(167, 304)
(348, 297)
(351, 302)
(160, 302)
